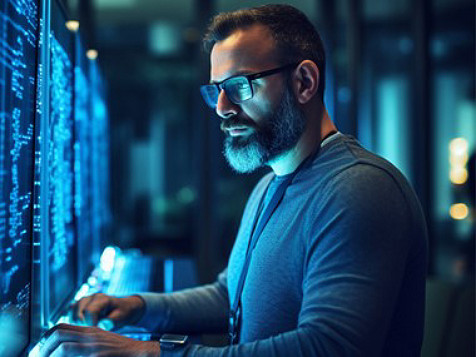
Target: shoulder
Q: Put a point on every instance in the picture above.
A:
(348, 171)
(363, 187)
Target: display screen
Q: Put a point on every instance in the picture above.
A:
(62, 246)
(82, 164)
(19, 26)
(99, 157)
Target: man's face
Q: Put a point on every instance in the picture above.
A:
(266, 126)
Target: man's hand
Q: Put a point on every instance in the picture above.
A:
(120, 311)
(68, 340)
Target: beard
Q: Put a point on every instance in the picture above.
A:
(276, 134)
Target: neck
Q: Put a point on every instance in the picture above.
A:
(308, 143)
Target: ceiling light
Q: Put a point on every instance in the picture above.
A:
(459, 211)
(72, 25)
(92, 54)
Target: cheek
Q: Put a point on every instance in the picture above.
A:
(255, 114)
(258, 108)
(268, 97)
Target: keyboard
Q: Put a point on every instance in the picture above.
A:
(132, 274)
(122, 273)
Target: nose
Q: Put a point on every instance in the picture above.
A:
(225, 108)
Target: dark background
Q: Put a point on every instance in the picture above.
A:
(401, 78)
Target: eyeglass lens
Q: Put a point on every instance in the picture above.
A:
(237, 90)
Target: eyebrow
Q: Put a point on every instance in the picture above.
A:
(242, 72)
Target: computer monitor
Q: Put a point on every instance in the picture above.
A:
(62, 253)
(82, 164)
(19, 24)
(100, 157)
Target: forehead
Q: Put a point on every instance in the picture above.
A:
(250, 49)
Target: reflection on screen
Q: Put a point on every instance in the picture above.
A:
(18, 41)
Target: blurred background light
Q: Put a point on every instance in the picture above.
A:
(186, 195)
(459, 146)
(458, 175)
(459, 211)
(72, 25)
(92, 54)
(458, 158)
(165, 38)
(107, 259)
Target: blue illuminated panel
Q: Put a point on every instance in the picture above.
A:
(82, 163)
(62, 254)
(99, 157)
(18, 50)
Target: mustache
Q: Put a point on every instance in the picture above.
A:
(236, 121)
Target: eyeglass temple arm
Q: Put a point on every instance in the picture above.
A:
(271, 71)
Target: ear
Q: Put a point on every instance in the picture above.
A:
(306, 81)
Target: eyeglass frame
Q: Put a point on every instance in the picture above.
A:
(249, 77)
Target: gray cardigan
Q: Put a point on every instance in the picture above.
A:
(339, 269)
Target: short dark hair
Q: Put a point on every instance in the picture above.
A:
(296, 37)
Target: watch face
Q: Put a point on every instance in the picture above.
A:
(175, 339)
(171, 342)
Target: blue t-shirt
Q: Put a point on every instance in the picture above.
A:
(339, 269)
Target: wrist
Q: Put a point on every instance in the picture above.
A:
(137, 305)
(144, 349)
(152, 349)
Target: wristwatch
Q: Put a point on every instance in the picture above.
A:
(170, 342)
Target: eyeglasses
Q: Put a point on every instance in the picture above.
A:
(237, 88)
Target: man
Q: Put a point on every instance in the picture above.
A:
(337, 236)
